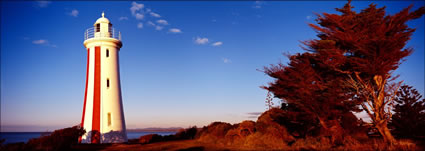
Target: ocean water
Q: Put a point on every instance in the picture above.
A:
(133, 135)
(14, 137)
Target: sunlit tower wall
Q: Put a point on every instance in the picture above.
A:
(103, 115)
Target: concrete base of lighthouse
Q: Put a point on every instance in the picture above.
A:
(109, 137)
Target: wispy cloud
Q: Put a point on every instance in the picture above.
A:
(73, 13)
(146, 16)
(159, 28)
(151, 23)
(123, 18)
(39, 42)
(218, 43)
(201, 41)
(135, 7)
(175, 30)
(309, 17)
(254, 114)
(155, 14)
(139, 16)
(137, 10)
(140, 25)
(258, 4)
(43, 42)
(162, 22)
(43, 4)
(226, 60)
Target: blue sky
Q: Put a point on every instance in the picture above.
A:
(182, 63)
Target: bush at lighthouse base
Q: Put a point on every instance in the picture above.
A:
(59, 140)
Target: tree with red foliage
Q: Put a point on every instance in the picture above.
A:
(408, 119)
(310, 85)
(367, 46)
(372, 44)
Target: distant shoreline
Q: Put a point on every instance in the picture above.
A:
(16, 137)
(150, 129)
(153, 129)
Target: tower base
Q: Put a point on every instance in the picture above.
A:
(109, 137)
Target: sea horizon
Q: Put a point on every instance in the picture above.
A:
(16, 137)
(146, 129)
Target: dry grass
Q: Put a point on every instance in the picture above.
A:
(258, 141)
(312, 143)
(265, 134)
(248, 135)
(268, 134)
(214, 133)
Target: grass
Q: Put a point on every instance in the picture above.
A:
(257, 141)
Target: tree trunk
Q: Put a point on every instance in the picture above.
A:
(385, 132)
(333, 130)
(381, 119)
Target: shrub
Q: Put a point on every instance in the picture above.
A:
(262, 141)
(271, 122)
(183, 134)
(312, 143)
(13, 147)
(188, 133)
(151, 138)
(237, 135)
(214, 132)
(61, 139)
(408, 119)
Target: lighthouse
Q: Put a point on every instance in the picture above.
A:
(103, 115)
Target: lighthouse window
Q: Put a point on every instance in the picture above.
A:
(107, 83)
(107, 52)
(110, 28)
(109, 119)
(97, 27)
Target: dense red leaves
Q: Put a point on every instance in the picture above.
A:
(311, 85)
(369, 43)
(408, 119)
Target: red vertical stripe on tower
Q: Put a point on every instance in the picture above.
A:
(85, 93)
(96, 99)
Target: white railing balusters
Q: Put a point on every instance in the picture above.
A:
(90, 33)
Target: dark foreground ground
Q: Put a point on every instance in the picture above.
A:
(170, 145)
(186, 145)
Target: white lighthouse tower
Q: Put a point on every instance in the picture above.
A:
(103, 116)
